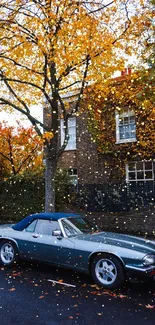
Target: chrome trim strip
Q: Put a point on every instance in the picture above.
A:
(134, 268)
(11, 239)
(62, 228)
(71, 225)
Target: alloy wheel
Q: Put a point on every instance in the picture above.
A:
(7, 253)
(106, 271)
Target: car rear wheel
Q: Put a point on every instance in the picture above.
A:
(107, 271)
(8, 253)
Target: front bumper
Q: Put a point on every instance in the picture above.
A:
(143, 271)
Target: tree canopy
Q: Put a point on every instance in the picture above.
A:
(20, 151)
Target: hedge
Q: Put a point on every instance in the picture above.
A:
(20, 196)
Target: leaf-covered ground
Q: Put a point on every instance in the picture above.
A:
(43, 295)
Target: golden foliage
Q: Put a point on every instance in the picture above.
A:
(124, 92)
(20, 150)
(45, 47)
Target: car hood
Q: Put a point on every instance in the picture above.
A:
(121, 240)
(6, 226)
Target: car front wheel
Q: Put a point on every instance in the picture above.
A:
(8, 253)
(107, 271)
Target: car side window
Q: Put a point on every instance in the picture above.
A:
(31, 227)
(46, 227)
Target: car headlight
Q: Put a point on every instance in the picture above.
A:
(149, 259)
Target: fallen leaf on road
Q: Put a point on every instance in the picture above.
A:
(12, 289)
(122, 296)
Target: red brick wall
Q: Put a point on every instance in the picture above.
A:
(85, 158)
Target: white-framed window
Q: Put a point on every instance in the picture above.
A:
(72, 133)
(72, 173)
(125, 126)
(139, 171)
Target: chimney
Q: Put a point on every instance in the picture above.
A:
(126, 71)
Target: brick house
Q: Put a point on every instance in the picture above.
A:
(122, 178)
(87, 166)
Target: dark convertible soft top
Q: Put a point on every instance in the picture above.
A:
(21, 225)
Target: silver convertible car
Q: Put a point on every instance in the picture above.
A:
(70, 240)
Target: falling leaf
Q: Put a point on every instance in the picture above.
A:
(149, 306)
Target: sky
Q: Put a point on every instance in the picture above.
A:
(12, 118)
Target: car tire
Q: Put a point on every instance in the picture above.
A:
(107, 271)
(8, 253)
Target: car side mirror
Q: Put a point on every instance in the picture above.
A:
(57, 233)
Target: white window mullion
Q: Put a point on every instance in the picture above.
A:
(144, 170)
(127, 172)
(71, 131)
(62, 131)
(117, 127)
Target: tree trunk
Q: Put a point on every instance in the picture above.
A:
(51, 147)
(50, 184)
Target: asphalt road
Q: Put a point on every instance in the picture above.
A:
(28, 296)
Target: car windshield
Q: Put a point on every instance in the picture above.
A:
(74, 226)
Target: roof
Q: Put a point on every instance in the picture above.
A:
(21, 225)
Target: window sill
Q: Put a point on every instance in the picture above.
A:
(125, 141)
(139, 180)
(70, 149)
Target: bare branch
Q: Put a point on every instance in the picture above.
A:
(20, 81)
(4, 156)
(33, 120)
(11, 155)
(20, 65)
(72, 68)
(70, 85)
(27, 158)
(98, 9)
(82, 86)
(15, 95)
(45, 72)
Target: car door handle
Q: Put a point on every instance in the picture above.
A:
(35, 236)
